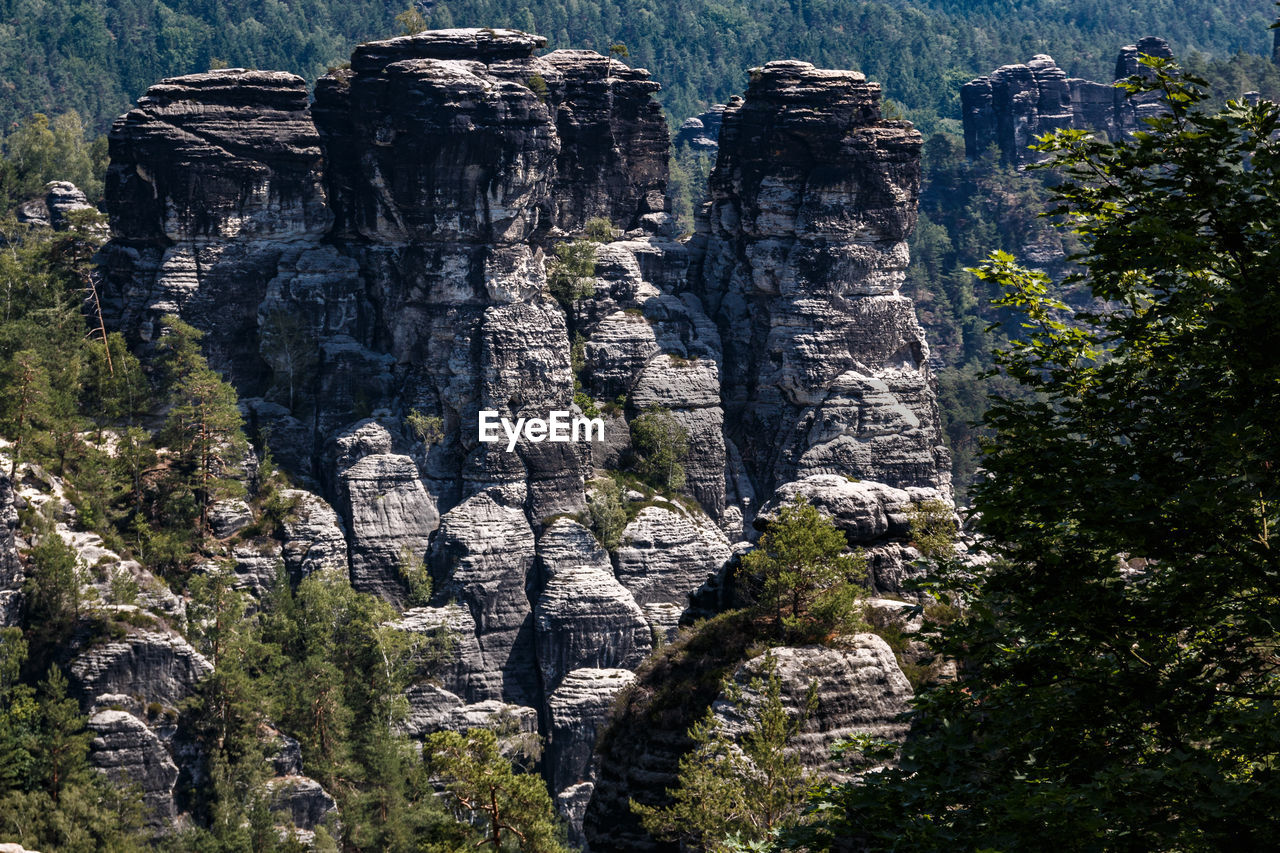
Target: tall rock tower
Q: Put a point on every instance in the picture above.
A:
(825, 364)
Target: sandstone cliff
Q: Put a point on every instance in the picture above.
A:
(1015, 104)
(382, 251)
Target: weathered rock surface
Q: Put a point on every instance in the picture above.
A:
(584, 617)
(825, 365)
(314, 540)
(1015, 104)
(302, 801)
(577, 709)
(666, 555)
(61, 198)
(866, 511)
(11, 574)
(860, 690)
(380, 255)
(701, 133)
(482, 559)
(213, 177)
(149, 665)
(131, 754)
(614, 141)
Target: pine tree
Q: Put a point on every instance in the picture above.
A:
(739, 789)
(799, 577)
(204, 424)
(512, 811)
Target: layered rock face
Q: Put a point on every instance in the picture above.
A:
(379, 258)
(859, 690)
(825, 366)
(1015, 104)
(11, 574)
(213, 178)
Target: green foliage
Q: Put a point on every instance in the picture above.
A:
(51, 593)
(608, 517)
(584, 402)
(735, 790)
(50, 797)
(538, 85)
(933, 528)
(1118, 689)
(571, 275)
(510, 811)
(799, 578)
(411, 21)
(599, 230)
(41, 150)
(662, 443)
(428, 428)
(416, 577)
(203, 427)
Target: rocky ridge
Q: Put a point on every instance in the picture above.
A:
(1009, 108)
(382, 252)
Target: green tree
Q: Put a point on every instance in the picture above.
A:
(411, 21)
(608, 516)
(62, 744)
(512, 811)
(738, 789)
(800, 579)
(571, 274)
(52, 593)
(599, 230)
(428, 428)
(662, 443)
(26, 407)
(203, 426)
(1118, 687)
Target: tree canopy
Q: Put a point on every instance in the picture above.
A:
(1118, 683)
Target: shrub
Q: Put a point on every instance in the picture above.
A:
(571, 274)
(663, 444)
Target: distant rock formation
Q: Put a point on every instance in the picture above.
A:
(1015, 104)
(701, 133)
(61, 198)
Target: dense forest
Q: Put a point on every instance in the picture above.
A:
(96, 57)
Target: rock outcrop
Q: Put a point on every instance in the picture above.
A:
(584, 617)
(701, 133)
(11, 574)
(860, 690)
(61, 198)
(825, 367)
(130, 753)
(370, 272)
(1015, 104)
(667, 554)
(151, 666)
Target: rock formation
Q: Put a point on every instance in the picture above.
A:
(379, 256)
(11, 574)
(825, 366)
(61, 198)
(701, 133)
(860, 690)
(1015, 104)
